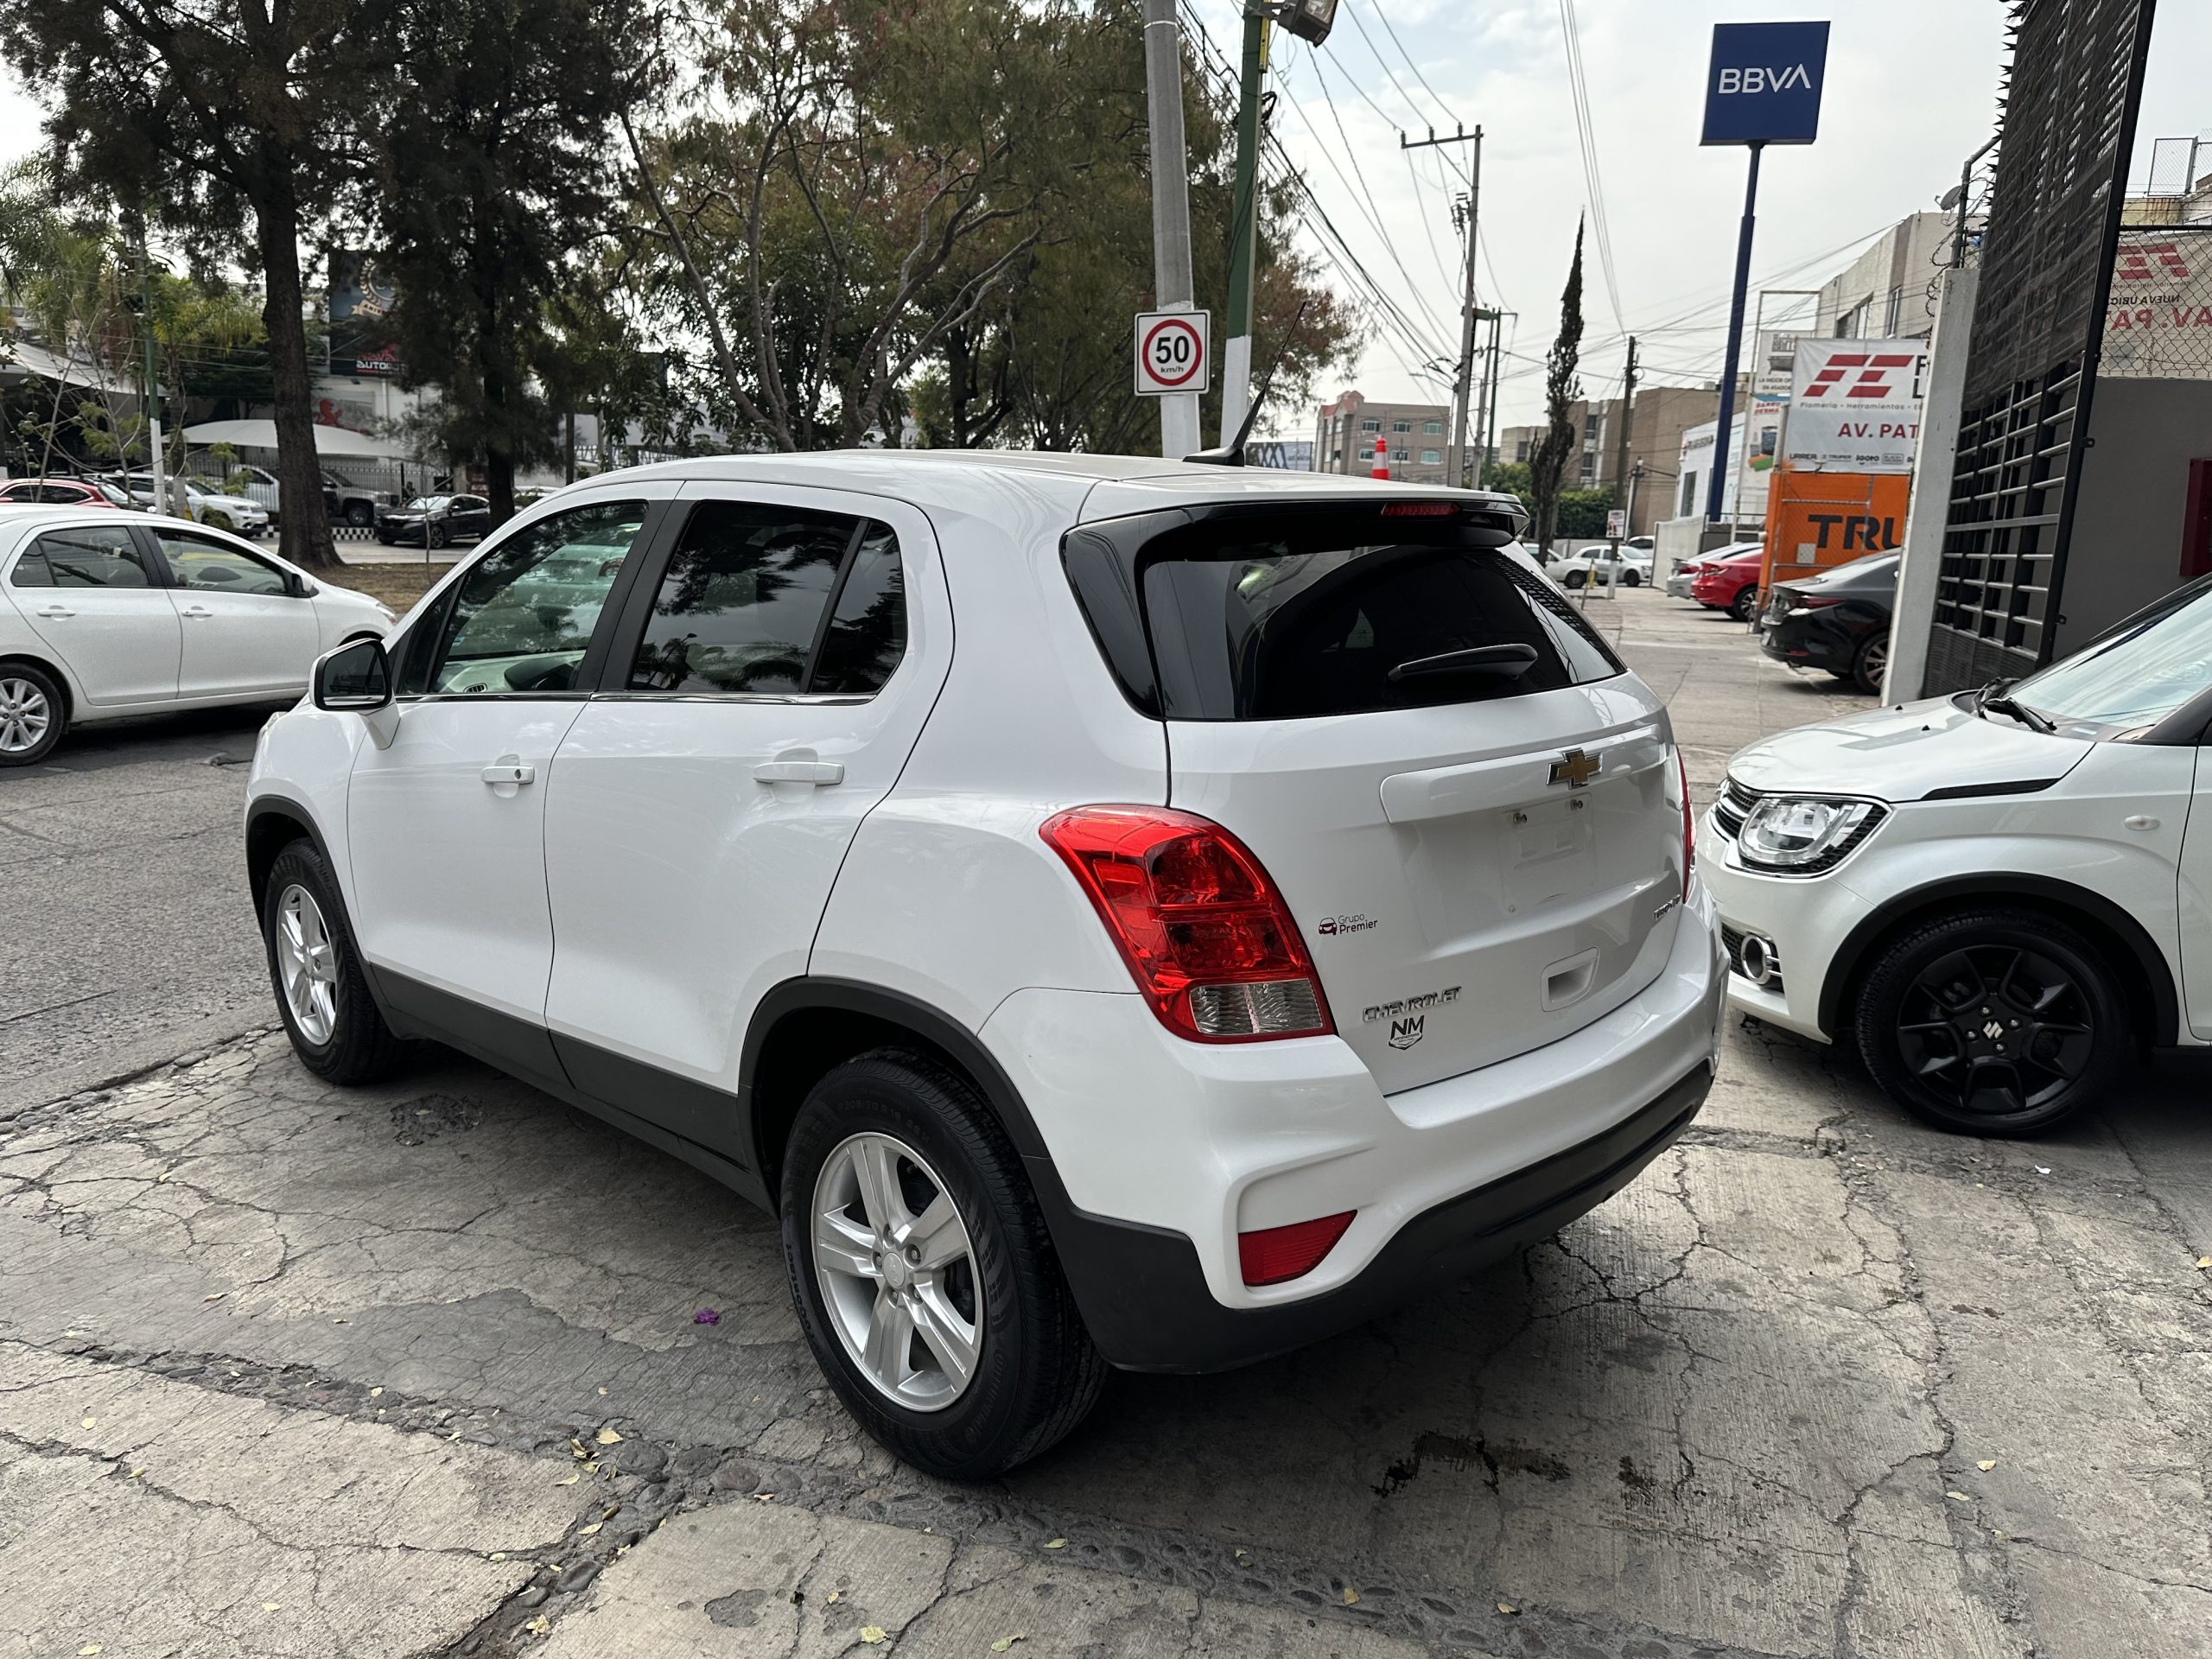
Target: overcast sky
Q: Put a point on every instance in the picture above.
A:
(1911, 90)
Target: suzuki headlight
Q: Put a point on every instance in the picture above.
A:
(1805, 835)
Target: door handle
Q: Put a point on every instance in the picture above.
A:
(195, 611)
(798, 771)
(55, 612)
(507, 772)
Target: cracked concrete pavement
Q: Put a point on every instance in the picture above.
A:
(414, 1370)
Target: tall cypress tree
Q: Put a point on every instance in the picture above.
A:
(1548, 466)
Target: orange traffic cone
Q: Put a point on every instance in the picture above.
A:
(1381, 468)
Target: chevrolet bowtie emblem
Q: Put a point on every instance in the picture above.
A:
(1575, 769)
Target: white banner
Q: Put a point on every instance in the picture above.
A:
(2160, 320)
(1854, 404)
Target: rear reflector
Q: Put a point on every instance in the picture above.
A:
(1276, 1254)
(1206, 936)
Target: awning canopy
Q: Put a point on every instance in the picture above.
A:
(23, 358)
(330, 442)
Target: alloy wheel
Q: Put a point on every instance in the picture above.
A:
(1995, 1030)
(25, 714)
(897, 1271)
(307, 965)
(1874, 663)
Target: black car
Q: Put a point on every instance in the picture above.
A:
(1839, 620)
(436, 520)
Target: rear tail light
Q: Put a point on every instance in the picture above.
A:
(1812, 602)
(1689, 823)
(1206, 936)
(1276, 1254)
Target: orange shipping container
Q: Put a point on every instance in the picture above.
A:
(1815, 521)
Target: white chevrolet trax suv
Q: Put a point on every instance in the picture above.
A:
(1115, 912)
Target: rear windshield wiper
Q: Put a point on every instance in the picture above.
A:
(1994, 695)
(1507, 661)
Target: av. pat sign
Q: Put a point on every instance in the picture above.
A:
(1763, 83)
(1854, 404)
(1172, 352)
(2159, 321)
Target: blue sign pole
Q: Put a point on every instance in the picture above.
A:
(1763, 87)
(1727, 429)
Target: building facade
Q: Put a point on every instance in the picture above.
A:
(1888, 292)
(1660, 415)
(1418, 434)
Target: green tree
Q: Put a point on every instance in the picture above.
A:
(215, 115)
(1547, 465)
(1048, 363)
(496, 171)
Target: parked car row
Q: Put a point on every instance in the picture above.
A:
(105, 615)
(207, 503)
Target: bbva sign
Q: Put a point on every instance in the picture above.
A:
(1763, 83)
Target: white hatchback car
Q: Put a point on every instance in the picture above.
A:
(105, 614)
(1627, 566)
(1116, 912)
(1998, 897)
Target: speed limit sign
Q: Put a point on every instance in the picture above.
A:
(1172, 353)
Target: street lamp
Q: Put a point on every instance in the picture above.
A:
(1310, 20)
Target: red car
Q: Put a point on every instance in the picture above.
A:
(62, 492)
(1729, 583)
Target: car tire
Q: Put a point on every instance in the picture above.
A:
(1575, 579)
(384, 538)
(434, 538)
(1747, 598)
(338, 1034)
(1631, 579)
(359, 514)
(34, 713)
(1870, 662)
(1033, 1372)
(1928, 1006)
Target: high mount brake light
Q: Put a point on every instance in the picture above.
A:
(1205, 933)
(1419, 509)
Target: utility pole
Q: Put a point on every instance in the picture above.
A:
(1173, 289)
(1467, 214)
(1620, 440)
(1244, 227)
(1489, 436)
(1311, 21)
(150, 391)
(1724, 432)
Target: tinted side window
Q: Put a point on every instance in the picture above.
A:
(521, 619)
(202, 562)
(93, 558)
(868, 631)
(742, 601)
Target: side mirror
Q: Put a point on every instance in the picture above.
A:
(353, 679)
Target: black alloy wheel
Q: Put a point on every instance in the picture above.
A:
(1747, 598)
(359, 514)
(1992, 1022)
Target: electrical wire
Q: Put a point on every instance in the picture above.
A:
(1586, 134)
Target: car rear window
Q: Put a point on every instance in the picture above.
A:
(1296, 616)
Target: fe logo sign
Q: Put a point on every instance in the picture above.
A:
(1172, 352)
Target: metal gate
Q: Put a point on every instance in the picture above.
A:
(2048, 248)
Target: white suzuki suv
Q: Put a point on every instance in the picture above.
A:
(1115, 911)
(2000, 897)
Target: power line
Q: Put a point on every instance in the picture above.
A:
(1587, 135)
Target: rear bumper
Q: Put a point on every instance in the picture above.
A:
(1156, 1153)
(1811, 640)
(1144, 1295)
